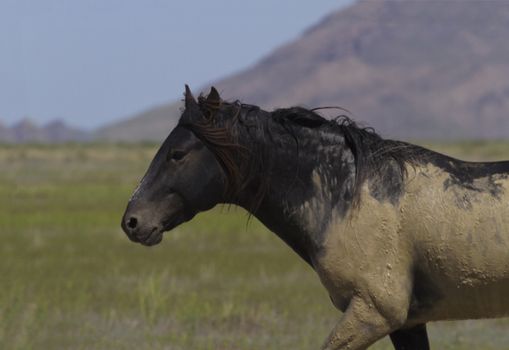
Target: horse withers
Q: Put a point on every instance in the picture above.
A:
(398, 234)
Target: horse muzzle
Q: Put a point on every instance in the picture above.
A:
(144, 223)
(147, 235)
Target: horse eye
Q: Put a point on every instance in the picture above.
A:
(177, 155)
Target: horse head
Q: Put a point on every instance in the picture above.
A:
(183, 179)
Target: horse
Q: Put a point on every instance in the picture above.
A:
(399, 235)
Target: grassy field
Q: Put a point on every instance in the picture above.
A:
(70, 279)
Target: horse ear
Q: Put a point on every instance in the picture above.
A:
(213, 96)
(189, 98)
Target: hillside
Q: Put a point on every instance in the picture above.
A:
(427, 69)
(154, 124)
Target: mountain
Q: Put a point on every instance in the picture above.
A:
(5, 133)
(26, 131)
(411, 69)
(53, 132)
(58, 131)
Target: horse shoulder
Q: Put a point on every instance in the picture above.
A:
(366, 253)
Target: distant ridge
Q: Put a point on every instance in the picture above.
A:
(53, 132)
(411, 69)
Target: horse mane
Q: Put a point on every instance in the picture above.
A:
(372, 153)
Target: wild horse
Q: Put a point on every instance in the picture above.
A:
(399, 235)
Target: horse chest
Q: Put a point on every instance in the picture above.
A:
(337, 269)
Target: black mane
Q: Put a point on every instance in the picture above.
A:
(374, 156)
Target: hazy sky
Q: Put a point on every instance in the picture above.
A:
(94, 61)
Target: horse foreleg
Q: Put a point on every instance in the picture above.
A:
(415, 338)
(361, 325)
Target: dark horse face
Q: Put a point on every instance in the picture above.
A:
(183, 179)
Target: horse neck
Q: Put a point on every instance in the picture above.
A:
(308, 178)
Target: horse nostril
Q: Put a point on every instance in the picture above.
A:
(132, 223)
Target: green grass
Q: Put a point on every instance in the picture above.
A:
(70, 279)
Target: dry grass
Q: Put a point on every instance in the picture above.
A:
(71, 280)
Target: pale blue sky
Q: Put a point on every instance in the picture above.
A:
(91, 62)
